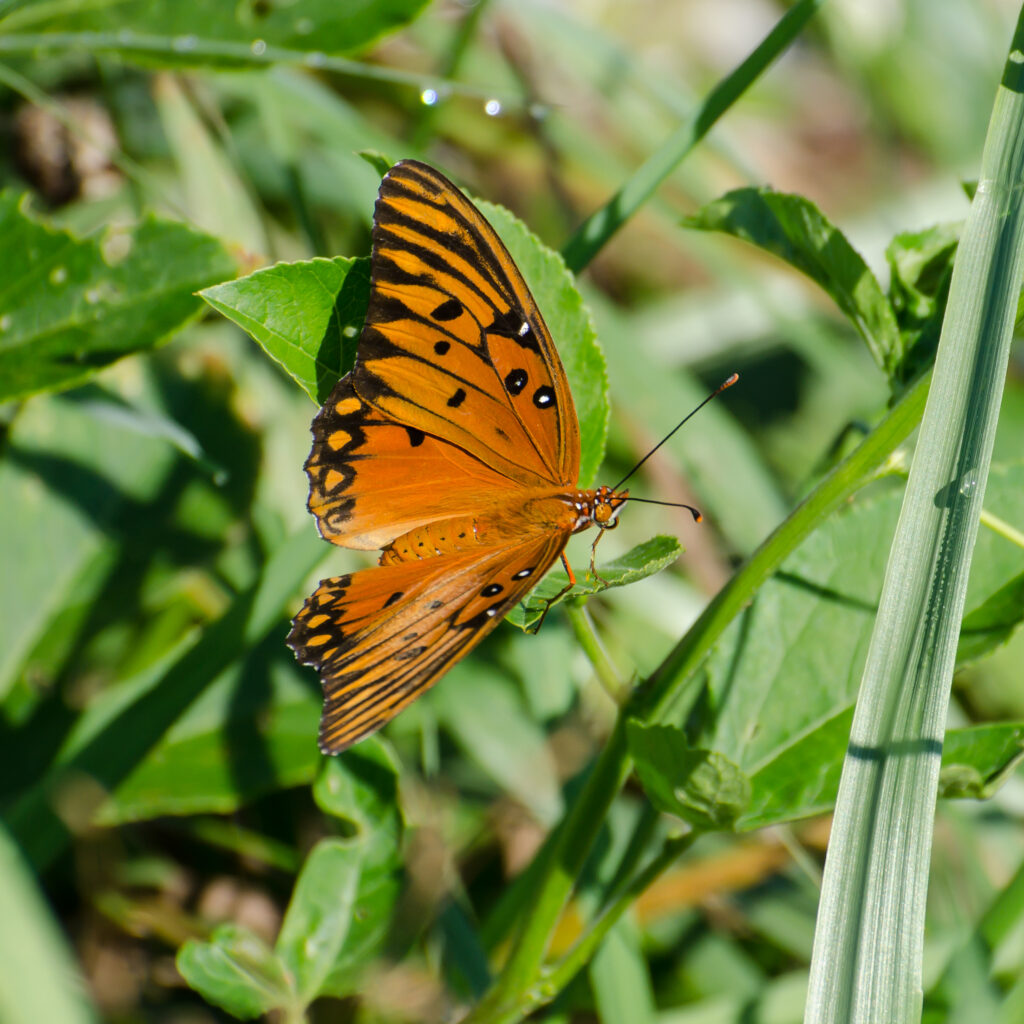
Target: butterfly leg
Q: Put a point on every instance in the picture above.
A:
(593, 555)
(553, 600)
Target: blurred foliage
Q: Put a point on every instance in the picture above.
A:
(169, 825)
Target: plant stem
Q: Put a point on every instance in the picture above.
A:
(586, 635)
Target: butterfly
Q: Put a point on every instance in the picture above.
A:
(452, 445)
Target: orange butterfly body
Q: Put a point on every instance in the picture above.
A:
(452, 445)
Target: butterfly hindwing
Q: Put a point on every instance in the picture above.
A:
(454, 344)
(380, 637)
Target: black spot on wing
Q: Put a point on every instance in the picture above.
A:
(515, 381)
(544, 397)
(450, 309)
(457, 399)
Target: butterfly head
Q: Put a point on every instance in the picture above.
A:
(602, 508)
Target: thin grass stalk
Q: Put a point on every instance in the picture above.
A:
(866, 964)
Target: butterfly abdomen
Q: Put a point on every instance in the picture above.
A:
(445, 537)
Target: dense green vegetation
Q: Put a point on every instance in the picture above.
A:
(624, 817)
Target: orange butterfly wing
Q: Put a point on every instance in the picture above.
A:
(381, 637)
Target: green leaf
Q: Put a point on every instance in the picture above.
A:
(70, 306)
(978, 760)
(307, 316)
(992, 623)
(920, 268)
(68, 479)
(251, 732)
(795, 230)
(169, 32)
(117, 733)
(703, 787)
(644, 560)
(236, 971)
(620, 978)
(360, 787)
(38, 979)
(322, 908)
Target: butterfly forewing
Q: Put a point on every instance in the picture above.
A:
(371, 479)
(380, 637)
(454, 344)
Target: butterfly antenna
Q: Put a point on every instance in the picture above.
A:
(721, 387)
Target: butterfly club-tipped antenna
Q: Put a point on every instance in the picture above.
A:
(727, 383)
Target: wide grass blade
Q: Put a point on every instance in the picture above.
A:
(867, 955)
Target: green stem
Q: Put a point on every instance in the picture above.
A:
(566, 969)
(599, 227)
(196, 51)
(1003, 528)
(586, 636)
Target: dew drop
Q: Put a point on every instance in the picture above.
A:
(92, 296)
(5, 322)
(538, 111)
(428, 97)
(349, 331)
(183, 44)
(492, 108)
(258, 47)
(315, 59)
(968, 484)
(304, 26)
(58, 275)
(1016, 57)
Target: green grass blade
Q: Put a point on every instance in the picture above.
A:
(867, 956)
(37, 980)
(595, 231)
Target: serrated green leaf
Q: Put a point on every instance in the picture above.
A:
(640, 562)
(703, 787)
(794, 229)
(70, 306)
(236, 971)
(307, 316)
